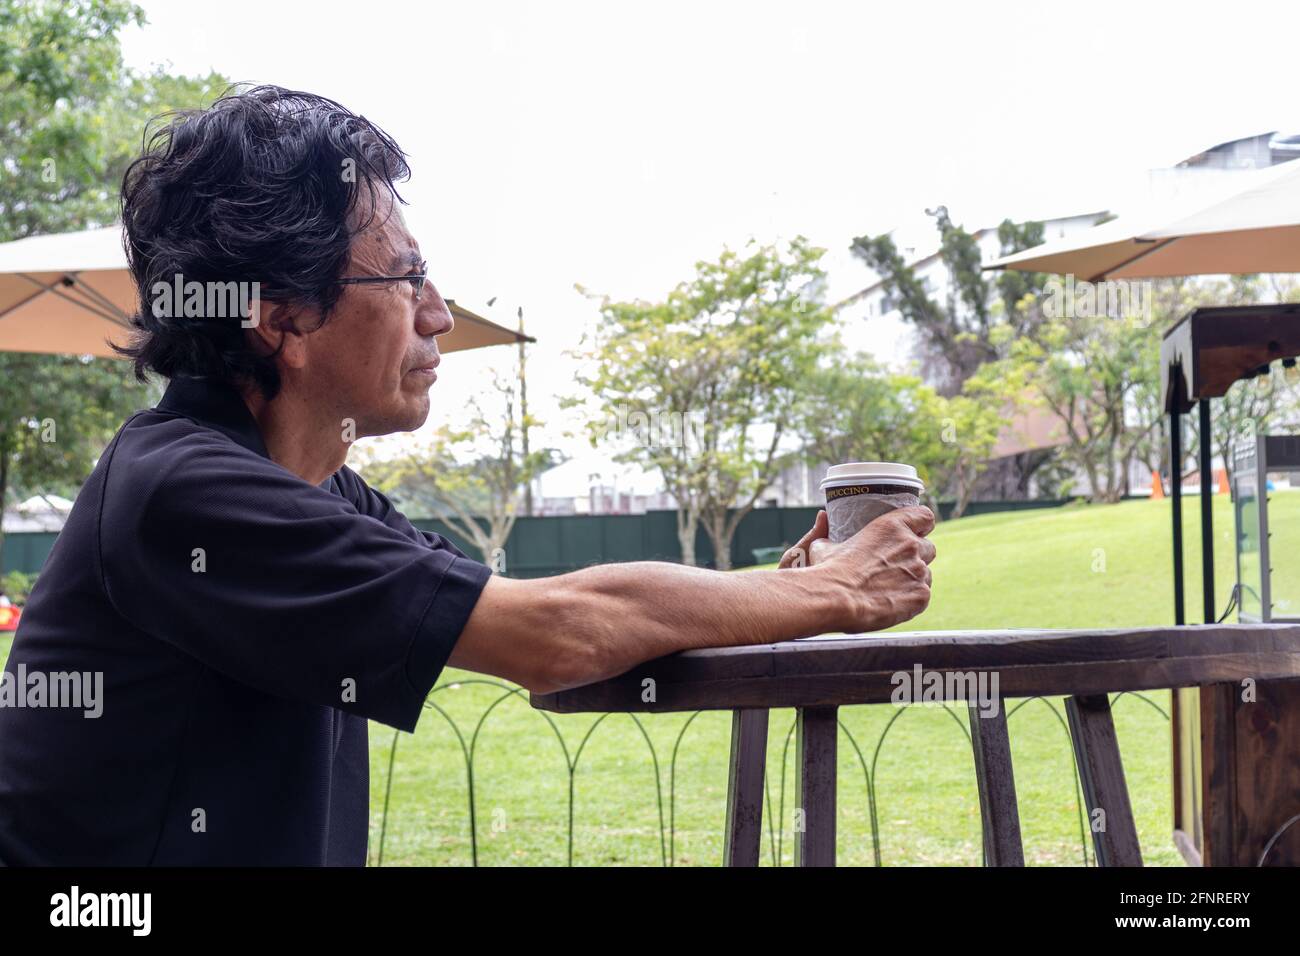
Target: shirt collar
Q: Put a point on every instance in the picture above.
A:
(216, 405)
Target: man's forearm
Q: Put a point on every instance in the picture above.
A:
(551, 633)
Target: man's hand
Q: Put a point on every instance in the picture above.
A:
(884, 567)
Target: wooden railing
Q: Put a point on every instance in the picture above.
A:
(980, 669)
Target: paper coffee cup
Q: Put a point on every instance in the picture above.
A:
(858, 492)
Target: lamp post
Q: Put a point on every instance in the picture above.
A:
(523, 412)
(523, 405)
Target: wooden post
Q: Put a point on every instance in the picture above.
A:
(814, 839)
(999, 812)
(744, 833)
(1096, 750)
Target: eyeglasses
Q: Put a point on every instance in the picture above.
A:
(415, 278)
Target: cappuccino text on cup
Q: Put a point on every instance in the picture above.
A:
(858, 492)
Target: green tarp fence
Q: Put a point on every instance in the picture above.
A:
(542, 546)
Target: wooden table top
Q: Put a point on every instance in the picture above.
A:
(861, 669)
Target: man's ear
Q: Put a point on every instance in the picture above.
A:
(277, 333)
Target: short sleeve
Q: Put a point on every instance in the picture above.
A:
(283, 585)
(376, 504)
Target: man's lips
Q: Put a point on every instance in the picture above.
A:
(426, 368)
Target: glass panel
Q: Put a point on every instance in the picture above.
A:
(1248, 562)
(1284, 543)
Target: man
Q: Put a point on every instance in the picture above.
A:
(237, 601)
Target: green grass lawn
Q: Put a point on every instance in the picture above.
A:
(1079, 566)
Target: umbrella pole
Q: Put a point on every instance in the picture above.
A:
(1176, 496)
(1207, 515)
(1175, 710)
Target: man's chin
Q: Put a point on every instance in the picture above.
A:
(406, 414)
(416, 414)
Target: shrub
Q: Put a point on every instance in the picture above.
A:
(17, 586)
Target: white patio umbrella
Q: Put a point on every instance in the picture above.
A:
(1251, 225)
(71, 293)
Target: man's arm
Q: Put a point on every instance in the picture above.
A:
(548, 634)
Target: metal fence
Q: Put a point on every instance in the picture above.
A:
(867, 752)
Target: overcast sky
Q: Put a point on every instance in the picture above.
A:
(614, 144)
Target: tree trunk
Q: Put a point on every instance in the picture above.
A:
(687, 522)
(721, 537)
(1027, 464)
(964, 486)
(1096, 492)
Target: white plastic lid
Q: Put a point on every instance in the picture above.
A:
(872, 472)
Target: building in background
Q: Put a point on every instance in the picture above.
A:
(594, 484)
(40, 513)
(1215, 168)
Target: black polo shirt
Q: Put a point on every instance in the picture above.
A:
(245, 623)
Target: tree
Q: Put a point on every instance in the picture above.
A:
(958, 335)
(972, 326)
(71, 117)
(856, 411)
(703, 386)
(1097, 375)
(969, 429)
(472, 477)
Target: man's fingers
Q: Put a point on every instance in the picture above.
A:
(820, 529)
(928, 550)
(919, 518)
(799, 555)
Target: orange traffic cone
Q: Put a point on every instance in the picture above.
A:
(1221, 482)
(1157, 486)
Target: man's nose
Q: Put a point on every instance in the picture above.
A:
(433, 317)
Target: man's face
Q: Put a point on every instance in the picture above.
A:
(373, 361)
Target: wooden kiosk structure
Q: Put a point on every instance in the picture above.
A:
(1236, 762)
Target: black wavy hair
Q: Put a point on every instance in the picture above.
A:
(262, 186)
